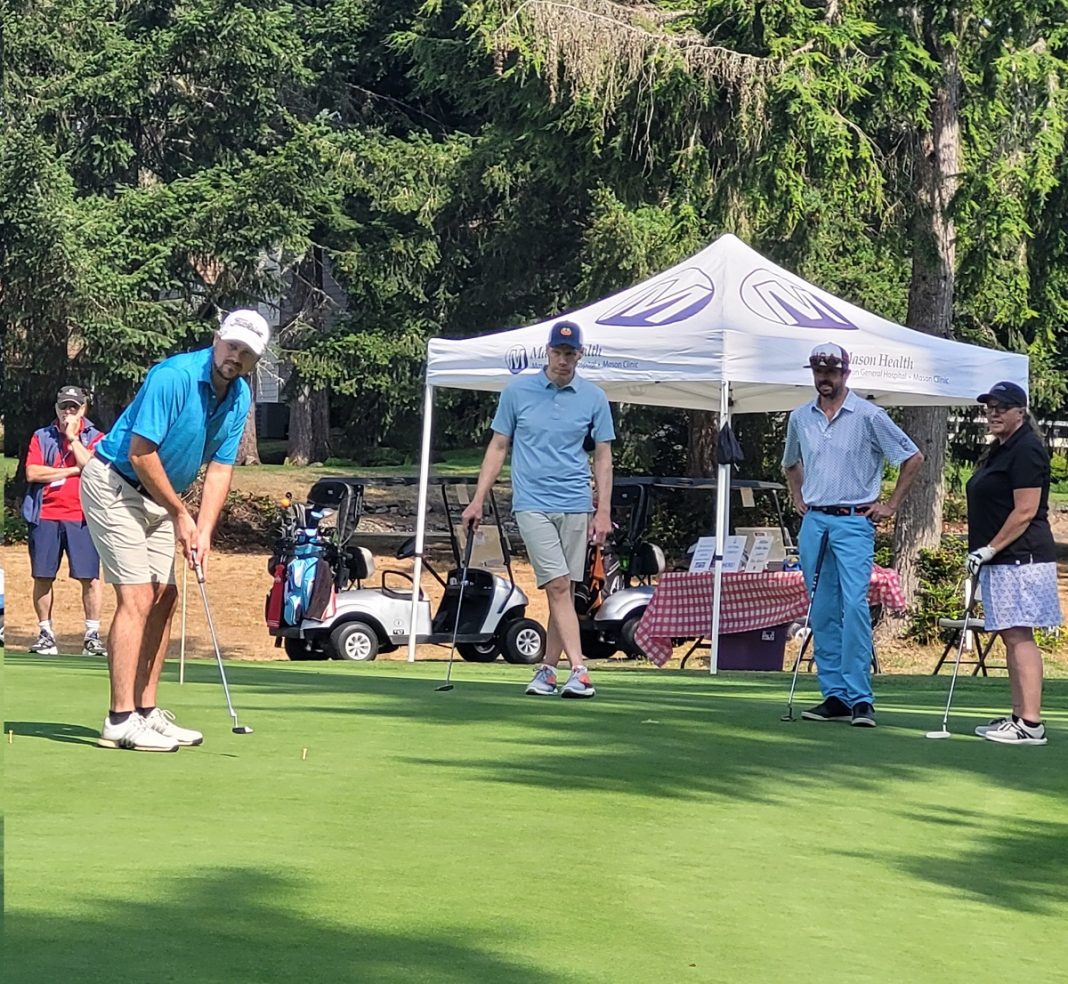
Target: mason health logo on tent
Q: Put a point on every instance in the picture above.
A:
(790, 303)
(516, 359)
(666, 301)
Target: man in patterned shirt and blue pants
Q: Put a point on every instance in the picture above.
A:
(836, 446)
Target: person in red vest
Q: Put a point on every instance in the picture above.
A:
(53, 511)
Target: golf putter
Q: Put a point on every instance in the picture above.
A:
(970, 591)
(464, 564)
(237, 729)
(789, 715)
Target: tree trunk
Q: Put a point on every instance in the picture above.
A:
(309, 419)
(701, 451)
(249, 452)
(919, 520)
(299, 447)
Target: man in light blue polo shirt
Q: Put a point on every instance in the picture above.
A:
(547, 417)
(189, 411)
(836, 446)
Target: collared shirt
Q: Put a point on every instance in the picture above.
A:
(547, 425)
(1021, 462)
(177, 410)
(843, 457)
(59, 499)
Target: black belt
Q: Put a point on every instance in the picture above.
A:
(136, 486)
(841, 510)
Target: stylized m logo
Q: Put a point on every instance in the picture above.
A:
(663, 302)
(787, 302)
(516, 359)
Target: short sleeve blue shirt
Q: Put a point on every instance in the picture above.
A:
(843, 457)
(177, 410)
(547, 425)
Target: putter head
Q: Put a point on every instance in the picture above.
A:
(242, 729)
(788, 716)
(941, 733)
(445, 686)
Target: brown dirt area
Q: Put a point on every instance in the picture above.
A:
(238, 583)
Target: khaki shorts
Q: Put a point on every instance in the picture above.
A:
(133, 535)
(556, 543)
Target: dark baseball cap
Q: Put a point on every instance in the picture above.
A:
(565, 333)
(1005, 393)
(71, 394)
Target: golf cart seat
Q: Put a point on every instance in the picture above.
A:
(360, 562)
(646, 562)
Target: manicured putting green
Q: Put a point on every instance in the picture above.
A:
(673, 829)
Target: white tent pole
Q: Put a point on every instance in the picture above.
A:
(723, 505)
(420, 517)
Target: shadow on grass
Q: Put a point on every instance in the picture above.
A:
(238, 927)
(1019, 864)
(72, 734)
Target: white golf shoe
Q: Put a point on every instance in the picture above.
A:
(136, 734)
(163, 721)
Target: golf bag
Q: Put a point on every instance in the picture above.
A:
(302, 568)
(604, 576)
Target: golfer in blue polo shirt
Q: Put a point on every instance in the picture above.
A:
(546, 418)
(836, 446)
(189, 411)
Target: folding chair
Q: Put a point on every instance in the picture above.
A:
(982, 645)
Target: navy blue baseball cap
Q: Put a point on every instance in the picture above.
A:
(565, 333)
(1006, 393)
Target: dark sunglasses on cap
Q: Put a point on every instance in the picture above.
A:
(827, 362)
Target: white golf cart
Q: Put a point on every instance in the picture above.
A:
(359, 621)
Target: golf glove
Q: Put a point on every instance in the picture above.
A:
(977, 558)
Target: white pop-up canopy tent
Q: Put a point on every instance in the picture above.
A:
(727, 330)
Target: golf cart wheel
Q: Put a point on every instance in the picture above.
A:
(479, 652)
(355, 641)
(523, 642)
(594, 648)
(302, 649)
(626, 636)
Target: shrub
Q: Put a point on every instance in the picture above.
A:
(940, 593)
(15, 529)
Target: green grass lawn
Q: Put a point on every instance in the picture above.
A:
(673, 829)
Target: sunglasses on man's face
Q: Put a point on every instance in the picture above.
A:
(998, 408)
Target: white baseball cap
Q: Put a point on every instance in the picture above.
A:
(248, 327)
(829, 355)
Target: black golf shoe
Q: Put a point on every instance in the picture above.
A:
(832, 709)
(863, 715)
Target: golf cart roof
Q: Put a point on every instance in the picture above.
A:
(364, 480)
(684, 482)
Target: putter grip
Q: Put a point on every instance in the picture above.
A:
(199, 571)
(466, 562)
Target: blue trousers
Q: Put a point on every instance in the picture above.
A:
(841, 621)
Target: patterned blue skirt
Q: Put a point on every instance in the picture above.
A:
(1019, 596)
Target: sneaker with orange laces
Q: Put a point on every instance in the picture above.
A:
(544, 682)
(578, 684)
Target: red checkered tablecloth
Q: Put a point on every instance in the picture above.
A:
(681, 606)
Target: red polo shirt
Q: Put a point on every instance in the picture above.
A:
(60, 499)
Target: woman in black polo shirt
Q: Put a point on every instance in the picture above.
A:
(1012, 551)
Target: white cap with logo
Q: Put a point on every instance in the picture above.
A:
(248, 327)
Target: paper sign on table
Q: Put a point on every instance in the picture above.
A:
(758, 555)
(704, 553)
(734, 554)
